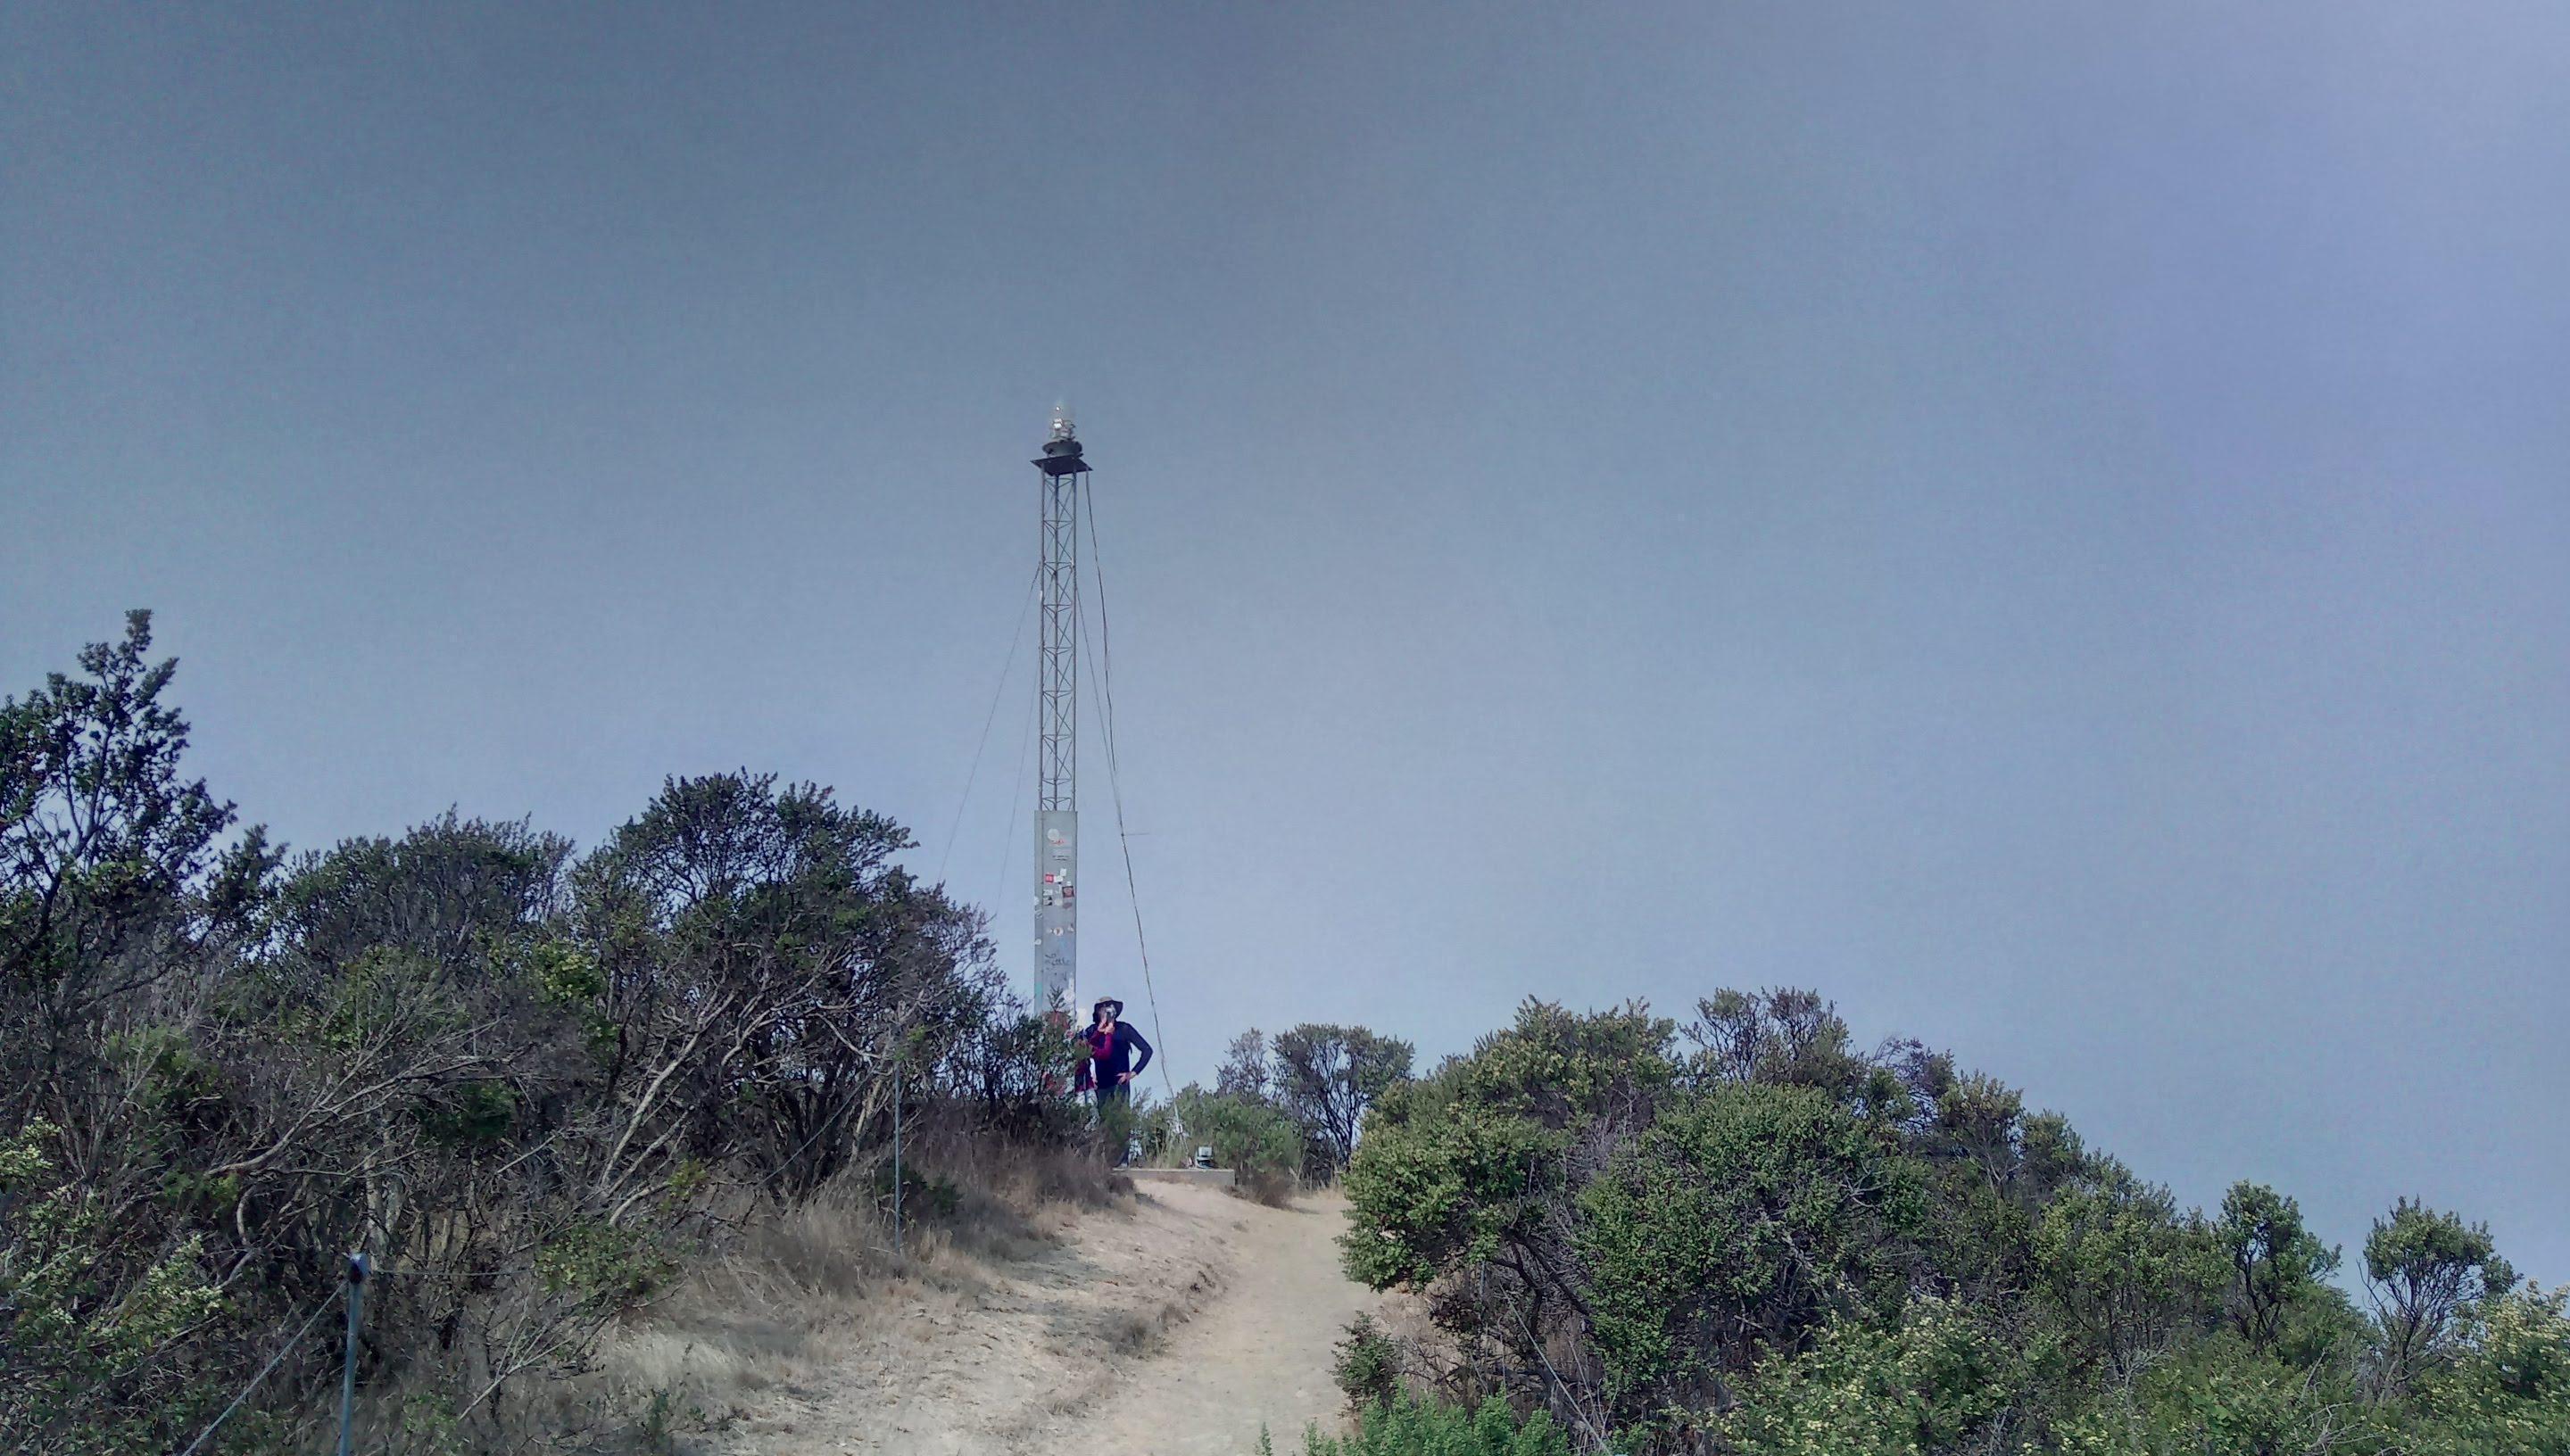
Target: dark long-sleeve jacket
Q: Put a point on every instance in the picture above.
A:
(1111, 1054)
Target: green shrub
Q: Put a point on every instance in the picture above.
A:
(1440, 1190)
(1256, 1142)
(2507, 1391)
(1868, 1390)
(1409, 1427)
(469, 1115)
(66, 1331)
(1457, 1166)
(924, 1196)
(616, 1267)
(2124, 1271)
(1367, 1366)
(1744, 1218)
(2221, 1398)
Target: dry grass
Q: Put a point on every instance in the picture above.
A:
(1021, 1177)
(1129, 1336)
(799, 1290)
(791, 1295)
(1263, 1186)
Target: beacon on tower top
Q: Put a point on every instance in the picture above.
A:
(1061, 453)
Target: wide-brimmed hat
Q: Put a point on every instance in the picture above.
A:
(1102, 1003)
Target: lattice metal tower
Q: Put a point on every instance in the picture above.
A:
(1058, 725)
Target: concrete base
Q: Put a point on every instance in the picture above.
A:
(1205, 1177)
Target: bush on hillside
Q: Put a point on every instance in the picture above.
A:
(2505, 1390)
(1747, 1235)
(1738, 1223)
(1935, 1381)
(1367, 1365)
(1251, 1137)
(1322, 1078)
(542, 1079)
(1409, 1427)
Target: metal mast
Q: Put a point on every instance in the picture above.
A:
(1057, 723)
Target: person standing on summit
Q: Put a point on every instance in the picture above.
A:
(1112, 1066)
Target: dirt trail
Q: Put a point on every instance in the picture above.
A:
(1177, 1329)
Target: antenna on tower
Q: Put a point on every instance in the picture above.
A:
(1061, 425)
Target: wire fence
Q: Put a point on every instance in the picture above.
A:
(359, 1271)
(288, 1348)
(355, 1274)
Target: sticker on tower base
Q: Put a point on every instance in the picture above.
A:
(1057, 879)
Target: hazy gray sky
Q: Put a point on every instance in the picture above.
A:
(2049, 523)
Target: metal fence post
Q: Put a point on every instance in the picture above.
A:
(348, 1365)
(895, 1164)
